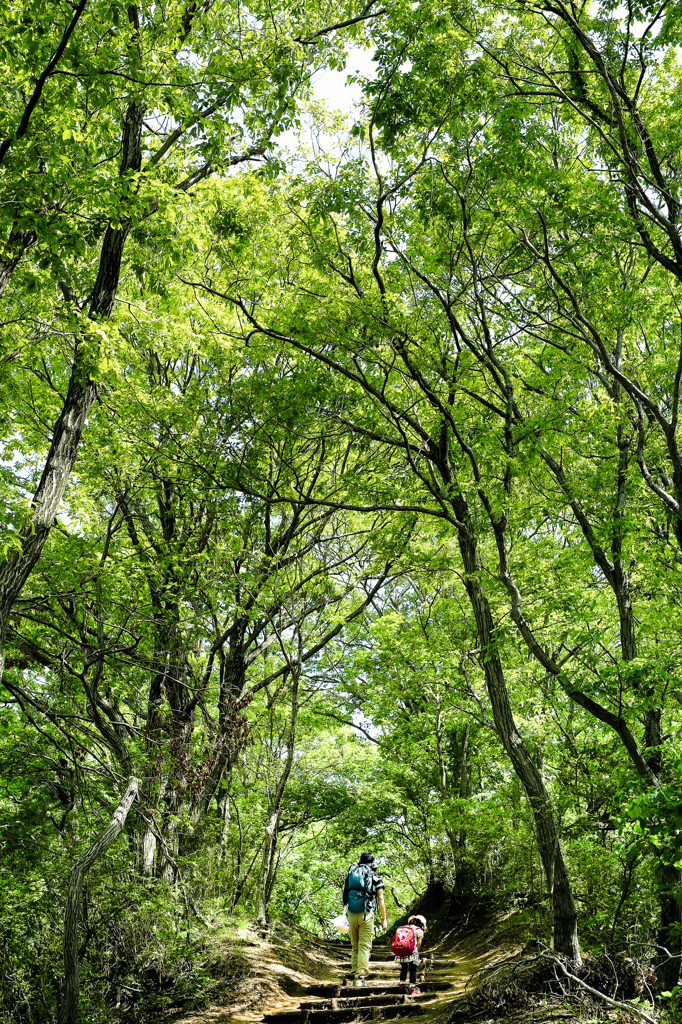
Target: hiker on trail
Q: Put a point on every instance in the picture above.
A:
(406, 944)
(362, 893)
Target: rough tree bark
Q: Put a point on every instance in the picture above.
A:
(68, 428)
(68, 1008)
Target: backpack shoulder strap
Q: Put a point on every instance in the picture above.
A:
(369, 885)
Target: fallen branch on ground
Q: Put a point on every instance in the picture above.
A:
(546, 955)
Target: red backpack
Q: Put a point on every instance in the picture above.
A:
(404, 941)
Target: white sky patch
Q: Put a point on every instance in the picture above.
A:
(338, 94)
(333, 87)
(366, 726)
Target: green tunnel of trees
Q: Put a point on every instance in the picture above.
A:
(341, 477)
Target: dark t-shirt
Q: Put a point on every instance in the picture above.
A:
(376, 885)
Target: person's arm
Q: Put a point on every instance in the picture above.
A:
(382, 908)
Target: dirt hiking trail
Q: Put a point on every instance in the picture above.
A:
(293, 977)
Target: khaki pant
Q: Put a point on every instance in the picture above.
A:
(361, 932)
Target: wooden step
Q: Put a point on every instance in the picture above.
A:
(386, 1012)
(374, 987)
(331, 990)
(325, 989)
(347, 1002)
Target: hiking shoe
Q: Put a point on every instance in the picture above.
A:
(414, 991)
(403, 989)
(359, 983)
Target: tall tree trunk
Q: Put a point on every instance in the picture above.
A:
(223, 807)
(617, 575)
(17, 567)
(148, 853)
(232, 683)
(66, 435)
(565, 916)
(18, 243)
(269, 848)
(275, 807)
(168, 855)
(464, 778)
(275, 859)
(668, 878)
(668, 938)
(649, 762)
(444, 787)
(68, 1009)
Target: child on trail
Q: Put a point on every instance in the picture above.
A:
(418, 924)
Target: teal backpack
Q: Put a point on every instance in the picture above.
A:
(359, 887)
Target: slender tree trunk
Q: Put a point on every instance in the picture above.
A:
(668, 938)
(464, 778)
(565, 916)
(668, 877)
(243, 880)
(648, 762)
(148, 853)
(168, 855)
(444, 786)
(17, 244)
(68, 1009)
(17, 567)
(269, 849)
(223, 806)
(624, 892)
(232, 680)
(274, 809)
